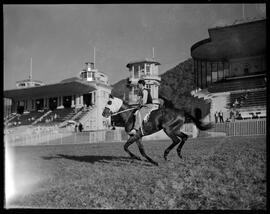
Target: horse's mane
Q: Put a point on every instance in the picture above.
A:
(167, 103)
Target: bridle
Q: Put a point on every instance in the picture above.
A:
(119, 112)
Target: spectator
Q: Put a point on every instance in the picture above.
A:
(236, 103)
(113, 126)
(76, 127)
(240, 116)
(220, 114)
(231, 114)
(216, 117)
(80, 127)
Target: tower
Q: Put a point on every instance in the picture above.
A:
(146, 69)
(29, 82)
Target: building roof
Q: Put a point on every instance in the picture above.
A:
(143, 61)
(52, 90)
(234, 41)
(29, 80)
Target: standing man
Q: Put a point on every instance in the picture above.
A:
(221, 116)
(145, 105)
(80, 127)
(216, 117)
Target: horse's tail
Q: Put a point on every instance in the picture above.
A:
(200, 125)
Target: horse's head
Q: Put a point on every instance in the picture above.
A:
(112, 106)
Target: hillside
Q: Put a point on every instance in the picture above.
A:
(176, 85)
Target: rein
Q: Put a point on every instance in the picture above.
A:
(122, 111)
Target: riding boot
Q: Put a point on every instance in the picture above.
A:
(133, 132)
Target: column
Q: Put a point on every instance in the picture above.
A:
(29, 105)
(93, 98)
(77, 101)
(60, 102)
(81, 97)
(72, 101)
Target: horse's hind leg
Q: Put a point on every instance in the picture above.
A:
(141, 149)
(183, 137)
(175, 140)
(130, 141)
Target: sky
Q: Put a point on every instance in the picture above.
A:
(61, 38)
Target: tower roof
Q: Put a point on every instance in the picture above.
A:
(143, 61)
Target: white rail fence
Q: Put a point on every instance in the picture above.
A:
(241, 128)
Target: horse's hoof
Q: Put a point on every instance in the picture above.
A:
(155, 163)
(180, 156)
(165, 158)
(136, 158)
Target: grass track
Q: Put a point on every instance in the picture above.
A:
(215, 173)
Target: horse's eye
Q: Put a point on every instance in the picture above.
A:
(109, 102)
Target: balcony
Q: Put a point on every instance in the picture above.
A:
(151, 77)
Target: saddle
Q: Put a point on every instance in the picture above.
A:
(146, 117)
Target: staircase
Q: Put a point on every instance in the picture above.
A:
(89, 119)
(40, 118)
(10, 117)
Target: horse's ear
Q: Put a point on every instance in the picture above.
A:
(111, 96)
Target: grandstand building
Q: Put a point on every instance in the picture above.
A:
(80, 99)
(230, 69)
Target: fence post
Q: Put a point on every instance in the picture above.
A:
(257, 126)
(89, 137)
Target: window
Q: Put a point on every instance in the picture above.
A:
(199, 75)
(84, 75)
(136, 71)
(147, 70)
(203, 74)
(226, 69)
(246, 69)
(22, 84)
(141, 68)
(33, 104)
(136, 90)
(220, 71)
(214, 72)
(208, 71)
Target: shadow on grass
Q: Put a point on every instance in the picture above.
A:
(120, 160)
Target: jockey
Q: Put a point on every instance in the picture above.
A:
(145, 106)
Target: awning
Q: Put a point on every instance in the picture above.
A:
(53, 90)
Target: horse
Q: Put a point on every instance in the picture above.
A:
(168, 118)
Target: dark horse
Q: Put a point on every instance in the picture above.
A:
(167, 118)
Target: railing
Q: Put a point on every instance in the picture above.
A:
(241, 128)
(56, 137)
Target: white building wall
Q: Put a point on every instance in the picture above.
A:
(218, 103)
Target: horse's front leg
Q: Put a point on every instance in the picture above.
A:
(141, 149)
(130, 141)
